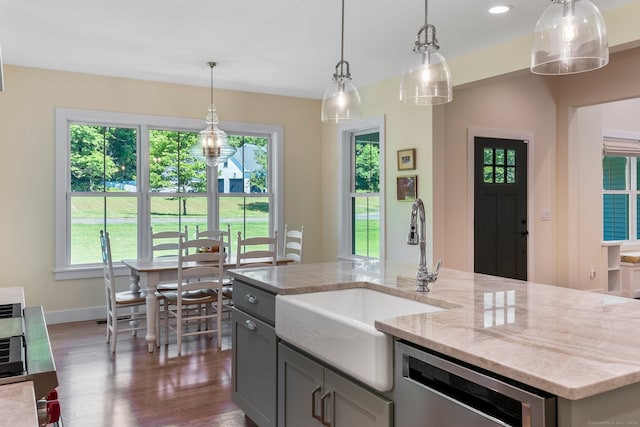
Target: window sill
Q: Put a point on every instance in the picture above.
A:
(88, 272)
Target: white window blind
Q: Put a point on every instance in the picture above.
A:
(620, 147)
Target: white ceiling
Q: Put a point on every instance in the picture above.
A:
(286, 47)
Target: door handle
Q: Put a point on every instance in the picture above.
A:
(313, 403)
(524, 233)
(323, 420)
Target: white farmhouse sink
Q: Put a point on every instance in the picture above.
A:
(338, 327)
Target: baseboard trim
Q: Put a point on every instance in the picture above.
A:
(75, 315)
(78, 315)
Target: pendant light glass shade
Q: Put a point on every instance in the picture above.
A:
(426, 79)
(570, 37)
(214, 142)
(341, 101)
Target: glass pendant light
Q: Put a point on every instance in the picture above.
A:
(213, 140)
(570, 37)
(341, 101)
(426, 79)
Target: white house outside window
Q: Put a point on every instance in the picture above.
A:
(128, 173)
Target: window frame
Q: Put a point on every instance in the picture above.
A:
(64, 117)
(618, 144)
(346, 135)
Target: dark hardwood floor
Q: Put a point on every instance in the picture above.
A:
(137, 388)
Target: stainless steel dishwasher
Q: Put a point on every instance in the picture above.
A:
(434, 391)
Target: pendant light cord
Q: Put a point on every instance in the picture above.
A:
(426, 8)
(212, 64)
(342, 36)
(340, 74)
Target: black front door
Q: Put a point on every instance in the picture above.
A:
(500, 207)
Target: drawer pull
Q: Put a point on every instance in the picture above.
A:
(250, 325)
(251, 299)
(323, 420)
(313, 403)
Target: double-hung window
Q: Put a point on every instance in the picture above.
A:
(365, 195)
(361, 227)
(128, 174)
(620, 184)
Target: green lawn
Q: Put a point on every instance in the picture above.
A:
(123, 228)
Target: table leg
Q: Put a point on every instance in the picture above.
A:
(135, 282)
(151, 280)
(134, 288)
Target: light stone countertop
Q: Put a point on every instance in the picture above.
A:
(17, 401)
(571, 343)
(18, 405)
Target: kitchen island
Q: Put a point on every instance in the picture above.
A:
(583, 347)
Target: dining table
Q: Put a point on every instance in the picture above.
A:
(147, 273)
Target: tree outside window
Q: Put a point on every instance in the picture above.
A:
(365, 197)
(105, 188)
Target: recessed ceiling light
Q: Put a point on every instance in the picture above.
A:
(496, 10)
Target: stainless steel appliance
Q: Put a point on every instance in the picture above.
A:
(25, 355)
(433, 390)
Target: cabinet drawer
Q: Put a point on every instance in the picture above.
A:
(254, 301)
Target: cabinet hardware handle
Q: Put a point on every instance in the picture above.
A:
(251, 299)
(313, 403)
(322, 406)
(250, 325)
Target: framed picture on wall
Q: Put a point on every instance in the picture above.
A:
(407, 188)
(407, 159)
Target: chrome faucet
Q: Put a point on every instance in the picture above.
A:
(423, 276)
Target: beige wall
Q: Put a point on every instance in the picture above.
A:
(564, 182)
(520, 103)
(616, 81)
(27, 137)
(405, 127)
(493, 89)
(567, 171)
(27, 131)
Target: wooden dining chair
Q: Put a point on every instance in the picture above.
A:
(253, 252)
(119, 321)
(292, 247)
(217, 234)
(256, 251)
(167, 243)
(224, 236)
(198, 298)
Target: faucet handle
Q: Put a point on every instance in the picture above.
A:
(438, 264)
(433, 276)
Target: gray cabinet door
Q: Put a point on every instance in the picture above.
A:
(254, 353)
(306, 389)
(299, 389)
(354, 405)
